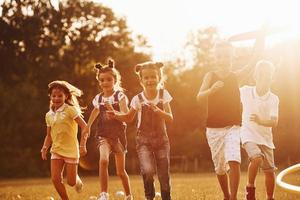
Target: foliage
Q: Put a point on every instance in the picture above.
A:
(40, 44)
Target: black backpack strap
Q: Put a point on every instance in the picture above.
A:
(116, 96)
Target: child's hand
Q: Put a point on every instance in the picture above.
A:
(255, 118)
(87, 131)
(82, 150)
(216, 86)
(153, 107)
(44, 153)
(108, 106)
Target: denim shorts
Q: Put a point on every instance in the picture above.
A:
(114, 146)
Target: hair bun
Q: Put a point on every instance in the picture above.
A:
(138, 68)
(111, 63)
(98, 66)
(159, 64)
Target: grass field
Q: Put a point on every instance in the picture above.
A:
(184, 187)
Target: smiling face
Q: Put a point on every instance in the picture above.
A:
(57, 98)
(106, 81)
(149, 78)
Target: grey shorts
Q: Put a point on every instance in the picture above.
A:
(255, 150)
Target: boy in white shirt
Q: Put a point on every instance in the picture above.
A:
(260, 114)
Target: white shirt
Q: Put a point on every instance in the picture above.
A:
(265, 107)
(109, 99)
(136, 104)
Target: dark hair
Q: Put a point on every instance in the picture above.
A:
(69, 90)
(110, 67)
(150, 65)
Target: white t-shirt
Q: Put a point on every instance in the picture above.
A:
(136, 104)
(265, 107)
(110, 99)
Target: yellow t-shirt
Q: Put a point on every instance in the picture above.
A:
(64, 131)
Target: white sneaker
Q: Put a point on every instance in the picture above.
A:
(103, 196)
(79, 184)
(129, 197)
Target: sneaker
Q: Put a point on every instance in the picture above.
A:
(250, 193)
(79, 185)
(129, 197)
(103, 196)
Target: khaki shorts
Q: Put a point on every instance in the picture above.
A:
(255, 150)
(113, 146)
(55, 156)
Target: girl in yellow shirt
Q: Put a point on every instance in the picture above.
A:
(62, 122)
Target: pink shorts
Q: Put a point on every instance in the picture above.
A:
(55, 156)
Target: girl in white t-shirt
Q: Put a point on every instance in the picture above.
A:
(110, 133)
(153, 147)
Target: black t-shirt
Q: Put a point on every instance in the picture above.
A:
(224, 106)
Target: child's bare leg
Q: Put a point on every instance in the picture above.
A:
(57, 167)
(103, 167)
(71, 174)
(223, 181)
(253, 169)
(234, 178)
(121, 172)
(270, 183)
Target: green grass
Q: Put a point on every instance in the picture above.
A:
(184, 187)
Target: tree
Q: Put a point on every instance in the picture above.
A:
(184, 79)
(39, 44)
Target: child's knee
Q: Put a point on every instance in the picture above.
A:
(122, 174)
(103, 162)
(257, 160)
(57, 179)
(71, 182)
(220, 172)
(269, 173)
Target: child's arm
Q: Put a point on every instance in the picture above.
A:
(83, 136)
(123, 106)
(264, 122)
(123, 109)
(257, 52)
(47, 144)
(165, 114)
(206, 90)
(124, 117)
(93, 116)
